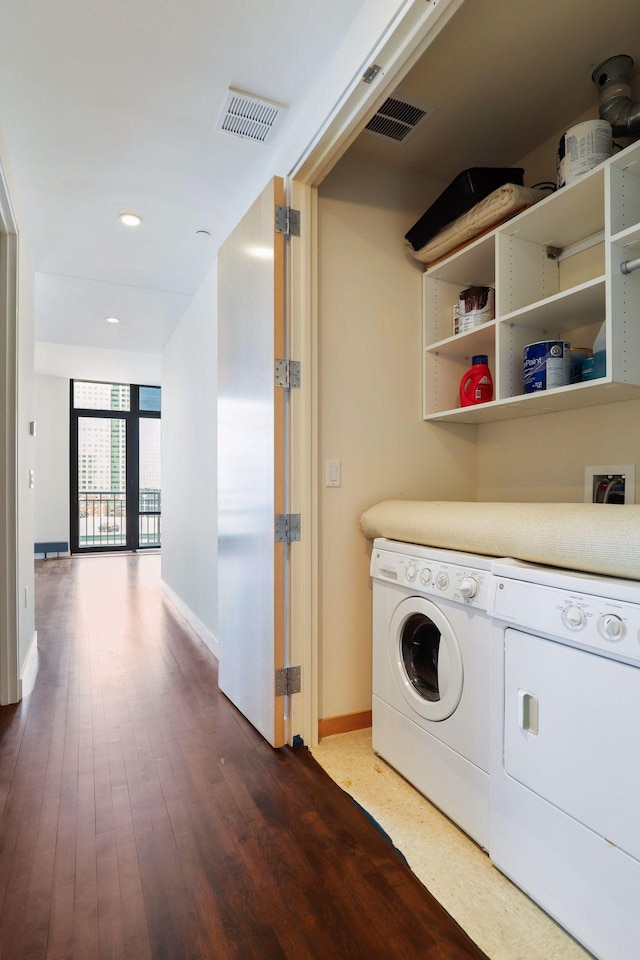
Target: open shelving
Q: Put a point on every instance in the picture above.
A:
(556, 273)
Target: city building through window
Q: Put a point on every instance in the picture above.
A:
(115, 466)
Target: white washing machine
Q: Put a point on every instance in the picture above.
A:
(565, 772)
(431, 675)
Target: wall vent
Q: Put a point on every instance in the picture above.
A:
(398, 118)
(249, 117)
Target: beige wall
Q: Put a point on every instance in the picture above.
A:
(370, 345)
(542, 458)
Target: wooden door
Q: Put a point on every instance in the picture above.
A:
(251, 457)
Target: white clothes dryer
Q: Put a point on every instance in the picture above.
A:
(431, 675)
(565, 777)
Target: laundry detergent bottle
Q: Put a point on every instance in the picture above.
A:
(476, 385)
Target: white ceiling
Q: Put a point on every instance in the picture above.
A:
(112, 107)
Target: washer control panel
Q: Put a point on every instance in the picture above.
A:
(433, 578)
(609, 627)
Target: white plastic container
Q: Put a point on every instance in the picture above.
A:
(582, 148)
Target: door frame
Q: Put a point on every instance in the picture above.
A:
(302, 640)
(406, 38)
(9, 617)
(403, 42)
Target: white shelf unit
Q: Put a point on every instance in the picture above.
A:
(556, 272)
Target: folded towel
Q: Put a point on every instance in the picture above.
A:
(499, 206)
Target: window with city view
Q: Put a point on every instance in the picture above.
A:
(115, 476)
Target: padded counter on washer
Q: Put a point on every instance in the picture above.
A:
(595, 537)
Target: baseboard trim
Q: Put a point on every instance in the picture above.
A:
(345, 723)
(203, 632)
(27, 680)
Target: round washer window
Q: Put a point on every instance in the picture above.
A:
(425, 658)
(420, 655)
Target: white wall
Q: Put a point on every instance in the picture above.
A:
(25, 413)
(56, 364)
(26, 451)
(189, 552)
(92, 363)
(370, 407)
(52, 459)
(189, 479)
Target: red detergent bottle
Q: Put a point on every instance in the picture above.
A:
(476, 385)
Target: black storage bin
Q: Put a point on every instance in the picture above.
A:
(468, 188)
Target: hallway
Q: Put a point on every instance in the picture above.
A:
(142, 817)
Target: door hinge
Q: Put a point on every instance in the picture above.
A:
(288, 681)
(287, 221)
(287, 527)
(288, 374)
(371, 73)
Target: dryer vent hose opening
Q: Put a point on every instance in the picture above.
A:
(611, 77)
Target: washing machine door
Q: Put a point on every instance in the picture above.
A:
(425, 658)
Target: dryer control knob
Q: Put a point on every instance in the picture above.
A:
(469, 587)
(574, 618)
(425, 576)
(411, 572)
(442, 580)
(612, 628)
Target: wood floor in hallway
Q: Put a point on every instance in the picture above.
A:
(142, 817)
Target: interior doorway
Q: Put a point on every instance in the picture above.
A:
(115, 466)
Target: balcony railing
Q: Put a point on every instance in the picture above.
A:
(103, 518)
(149, 510)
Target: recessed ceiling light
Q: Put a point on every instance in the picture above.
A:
(112, 320)
(131, 219)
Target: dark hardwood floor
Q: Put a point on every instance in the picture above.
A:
(142, 817)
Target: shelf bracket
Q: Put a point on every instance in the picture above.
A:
(563, 253)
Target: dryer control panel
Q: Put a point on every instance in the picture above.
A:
(602, 625)
(435, 578)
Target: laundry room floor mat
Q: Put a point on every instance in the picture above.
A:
(498, 917)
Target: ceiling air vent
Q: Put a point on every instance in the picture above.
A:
(249, 117)
(398, 118)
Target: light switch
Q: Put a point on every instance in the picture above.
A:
(332, 473)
